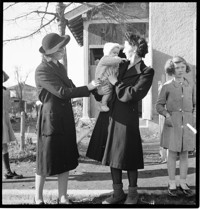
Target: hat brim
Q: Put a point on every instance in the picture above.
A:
(63, 42)
(5, 77)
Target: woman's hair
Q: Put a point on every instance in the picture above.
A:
(142, 47)
(48, 58)
(170, 68)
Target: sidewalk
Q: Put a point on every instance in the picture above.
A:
(91, 179)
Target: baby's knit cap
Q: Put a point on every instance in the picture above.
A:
(109, 46)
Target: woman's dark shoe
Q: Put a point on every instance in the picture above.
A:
(172, 192)
(187, 192)
(12, 175)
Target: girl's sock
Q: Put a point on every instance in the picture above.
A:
(183, 184)
(172, 184)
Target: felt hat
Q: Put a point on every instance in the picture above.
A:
(109, 46)
(5, 77)
(52, 42)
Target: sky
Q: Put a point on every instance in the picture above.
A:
(24, 54)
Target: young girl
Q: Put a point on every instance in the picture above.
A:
(110, 61)
(177, 103)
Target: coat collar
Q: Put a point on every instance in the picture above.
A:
(135, 70)
(176, 84)
(59, 70)
(122, 69)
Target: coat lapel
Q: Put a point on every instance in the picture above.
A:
(122, 69)
(60, 72)
(135, 70)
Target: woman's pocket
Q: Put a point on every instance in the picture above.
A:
(52, 123)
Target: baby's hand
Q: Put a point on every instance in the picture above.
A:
(105, 89)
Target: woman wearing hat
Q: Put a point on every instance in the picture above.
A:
(57, 151)
(8, 134)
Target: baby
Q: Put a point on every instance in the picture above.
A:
(111, 61)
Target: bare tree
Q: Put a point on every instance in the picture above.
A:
(45, 17)
(21, 81)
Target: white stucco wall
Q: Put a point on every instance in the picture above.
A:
(172, 31)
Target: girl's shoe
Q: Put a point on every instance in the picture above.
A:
(67, 202)
(172, 192)
(186, 192)
(12, 175)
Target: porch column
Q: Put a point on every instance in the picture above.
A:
(86, 68)
(147, 100)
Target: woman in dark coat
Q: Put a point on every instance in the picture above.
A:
(57, 151)
(123, 146)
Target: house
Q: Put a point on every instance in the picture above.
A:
(169, 28)
(29, 96)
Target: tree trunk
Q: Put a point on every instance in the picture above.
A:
(62, 23)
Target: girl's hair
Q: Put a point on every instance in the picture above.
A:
(142, 47)
(170, 68)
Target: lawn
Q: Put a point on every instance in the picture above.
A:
(29, 155)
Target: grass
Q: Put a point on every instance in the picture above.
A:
(29, 155)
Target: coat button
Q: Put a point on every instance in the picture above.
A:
(180, 110)
(181, 126)
(182, 96)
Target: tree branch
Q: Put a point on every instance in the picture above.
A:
(26, 15)
(44, 14)
(10, 6)
(31, 34)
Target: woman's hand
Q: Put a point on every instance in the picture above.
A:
(168, 120)
(104, 89)
(93, 84)
(112, 76)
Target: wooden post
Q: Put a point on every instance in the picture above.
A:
(22, 131)
(25, 106)
(86, 68)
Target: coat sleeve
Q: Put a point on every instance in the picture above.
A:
(45, 79)
(110, 61)
(96, 95)
(161, 101)
(137, 91)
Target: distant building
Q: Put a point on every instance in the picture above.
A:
(29, 96)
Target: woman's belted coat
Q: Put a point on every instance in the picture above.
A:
(56, 134)
(120, 142)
